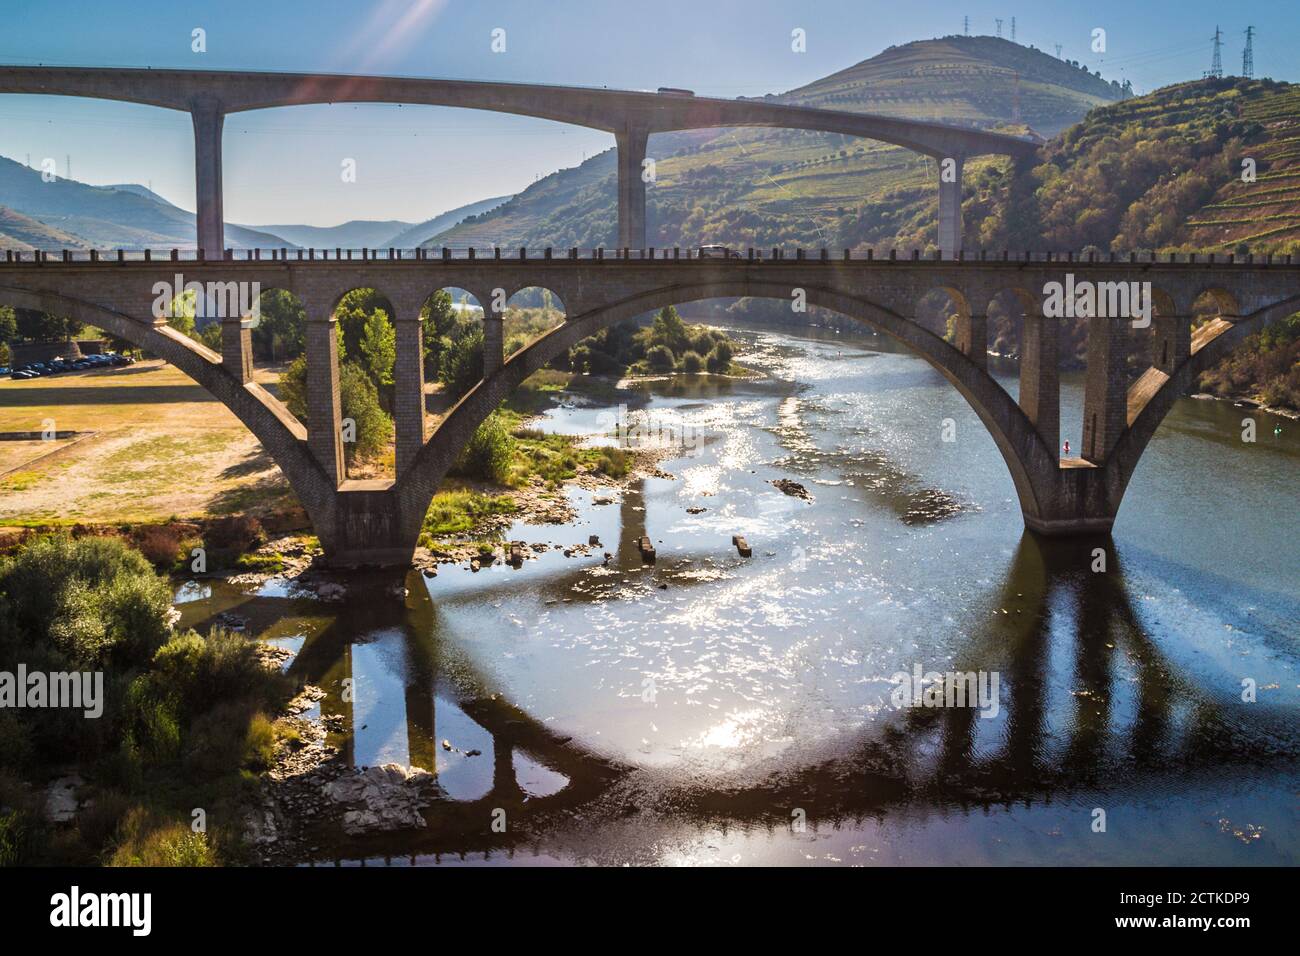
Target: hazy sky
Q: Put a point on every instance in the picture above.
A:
(282, 166)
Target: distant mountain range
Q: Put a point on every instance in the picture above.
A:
(381, 234)
(106, 216)
(66, 214)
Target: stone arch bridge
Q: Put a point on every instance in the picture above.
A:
(378, 522)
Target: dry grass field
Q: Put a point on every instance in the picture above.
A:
(162, 448)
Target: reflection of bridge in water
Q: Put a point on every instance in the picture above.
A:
(1121, 716)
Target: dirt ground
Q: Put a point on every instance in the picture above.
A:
(161, 447)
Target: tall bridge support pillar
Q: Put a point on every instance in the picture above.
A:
(494, 332)
(631, 187)
(973, 338)
(208, 120)
(1105, 389)
(1173, 341)
(237, 348)
(324, 408)
(1040, 379)
(950, 168)
(408, 386)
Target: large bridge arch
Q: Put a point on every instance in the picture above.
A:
(1027, 457)
(280, 433)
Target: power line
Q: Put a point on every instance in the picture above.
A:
(999, 23)
(1248, 55)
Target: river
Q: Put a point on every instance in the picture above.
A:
(717, 709)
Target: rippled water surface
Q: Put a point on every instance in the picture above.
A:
(702, 708)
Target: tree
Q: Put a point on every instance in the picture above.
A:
(719, 360)
(358, 398)
(37, 326)
(360, 401)
(379, 349)
(660, 358)
(279, 333)
(461, 365)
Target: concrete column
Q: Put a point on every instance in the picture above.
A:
(408, 384)
(324, 409)
(1040, 379)
(1105, 388)
(631, 188)
(950, 206)
(237, 348)
(1172, 342)
(208, 119)
(973, 338)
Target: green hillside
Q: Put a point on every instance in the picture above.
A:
(963, 79)
(1162, 172)
(784, 187)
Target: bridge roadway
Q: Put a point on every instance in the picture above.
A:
(378, 522)
(632, 116)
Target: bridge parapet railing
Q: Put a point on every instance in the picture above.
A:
(651, 254)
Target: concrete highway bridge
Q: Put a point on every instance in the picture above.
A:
(377, 522)
(208, 96)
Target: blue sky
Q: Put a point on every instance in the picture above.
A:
(414, 162)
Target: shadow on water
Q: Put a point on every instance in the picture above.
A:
(1086, 701)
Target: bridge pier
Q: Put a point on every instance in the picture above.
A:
(237, 348)
(208, 119)
(1040, 379)
(631, 187)
(408, 387)
(324, 407)
(1105, 390)
(950, 208)
(494, 332)
(1172, 343)
(973, 338)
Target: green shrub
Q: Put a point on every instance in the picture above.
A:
(360, 401)
(488, 453)
(259, 743)
(719, 359)
(692, 362)
(145, 840)
(660, 358)
(86, 601)
(461, 363)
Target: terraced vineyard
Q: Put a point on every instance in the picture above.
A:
(1162, 172)
(1267, 210)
